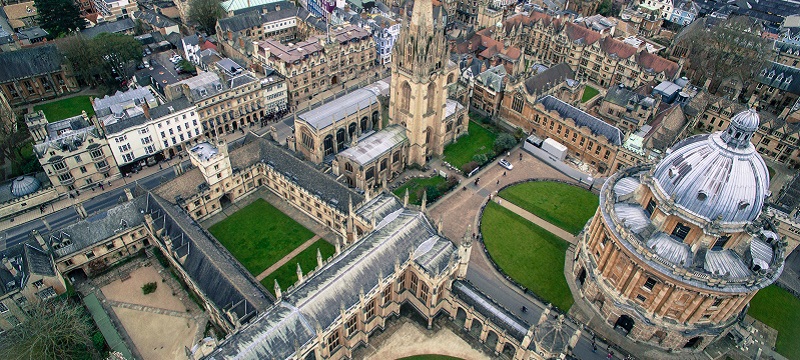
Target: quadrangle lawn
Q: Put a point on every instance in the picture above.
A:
(479, 141)
(65, 108)
(413, 185)
(530, 255)
(259, 235)
(563, 205)
(780, 310)
(588, 93)
(287, 274)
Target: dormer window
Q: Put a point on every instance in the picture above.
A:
(743, 204)
(702, 195)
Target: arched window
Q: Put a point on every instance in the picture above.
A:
(351, 129)
(450, 78)
(383, 164)
(364, 124)
(431, 97)
(517, 103)
(348, 167)
(307, 139)
(405, 97)
(396, 157)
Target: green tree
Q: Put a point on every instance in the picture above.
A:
(206, 13)
(504, 142)
(102, 59)
(13, 141)
(605, 8)
(59, 17)
(732, 48)
(52, 330)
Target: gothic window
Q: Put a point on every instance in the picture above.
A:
(517, 103)
(340, 139)
(414, 283)
(431, 97)
(327, 145)
(423, 292)
(651, 206)
(370, 173)
(449, 126)
(396, 157)
(387, 294)
(348, 167)
(383, 164)
(351, 325)
(369, 311)
(351, 129)
(307, 139)
(405, 97)
(364, 124)
(450, 78)
(333, 341)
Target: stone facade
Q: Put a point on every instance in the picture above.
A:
(421, 73)
(34, 74)
(73, 152)
(652, 263)
(593, 56)
(321, 62)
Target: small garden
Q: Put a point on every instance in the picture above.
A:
(66, 108)
(477, 148)
(530, 255)
(436, 186)
(259, 235)
(780, 310)
(287, 274)
(567, 206)
(589, 93)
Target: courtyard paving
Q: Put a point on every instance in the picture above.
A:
(410, 338)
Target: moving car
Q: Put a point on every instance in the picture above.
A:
(504, 163)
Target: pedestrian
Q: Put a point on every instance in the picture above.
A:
(594, 348)
(498, 181)
(102, 187)
(77, 193)
(610, 354)
(504, 173)
(520, 156)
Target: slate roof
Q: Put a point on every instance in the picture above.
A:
(493, 78)
(157, 112)
(27, 258)
(26, 63)
(582, 119)
(112, 27)
(211, 267)
(549, 78)
(339, 109)
(378, 208)
(156, 20)
(376, 145)
(484, 305)
(784, 77)
(38, 261)
(290, 323)
(96, 228)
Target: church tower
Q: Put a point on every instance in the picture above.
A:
(420, 75)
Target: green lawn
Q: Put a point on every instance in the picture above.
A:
(65, 108)
(417, 183)
(430, 357)
(565, 206)
(780, 310)
(287, 274)
(771, 172)
(588, 93)
(529, 254)
(259, 234)
(478, 141)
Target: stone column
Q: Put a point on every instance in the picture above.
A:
(626, 275)
(611, 262)
(698, 313)
(661, 310)
(691, 308)
(720, 315)
(631, 285)
(660, 296)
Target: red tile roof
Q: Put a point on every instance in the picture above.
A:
(657, 63)
(576, 32)
(614, 46)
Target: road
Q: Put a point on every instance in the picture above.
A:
(103, 201)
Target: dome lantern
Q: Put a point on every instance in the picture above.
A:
(741, 129)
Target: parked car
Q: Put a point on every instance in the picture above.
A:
(504, 163)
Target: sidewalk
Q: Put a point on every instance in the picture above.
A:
(288, 257)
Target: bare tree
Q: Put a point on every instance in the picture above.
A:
(13, 138)
(51, 330)
(731, 48)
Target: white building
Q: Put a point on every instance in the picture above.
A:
(140, 131)
(385, 31)
(191, 48)
(665, 6)
(113, 10)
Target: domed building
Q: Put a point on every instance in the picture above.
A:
(676, 251)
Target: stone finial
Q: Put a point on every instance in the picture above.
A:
(299, 273)
(319, 258)
(277, 291)
(424, 206)
(440, 226)
(405, 199)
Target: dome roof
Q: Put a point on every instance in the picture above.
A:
(24, 185)
(552, 335)
(717, 176)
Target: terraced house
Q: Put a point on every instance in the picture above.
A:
(596, 57)
(321, 62)
(229, 97)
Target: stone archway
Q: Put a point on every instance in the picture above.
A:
(625, 323)
(327, 145)
(491, 340)
(693, 343)
(509, 350)
(461, 317)
(581, 276)
(476, 328)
